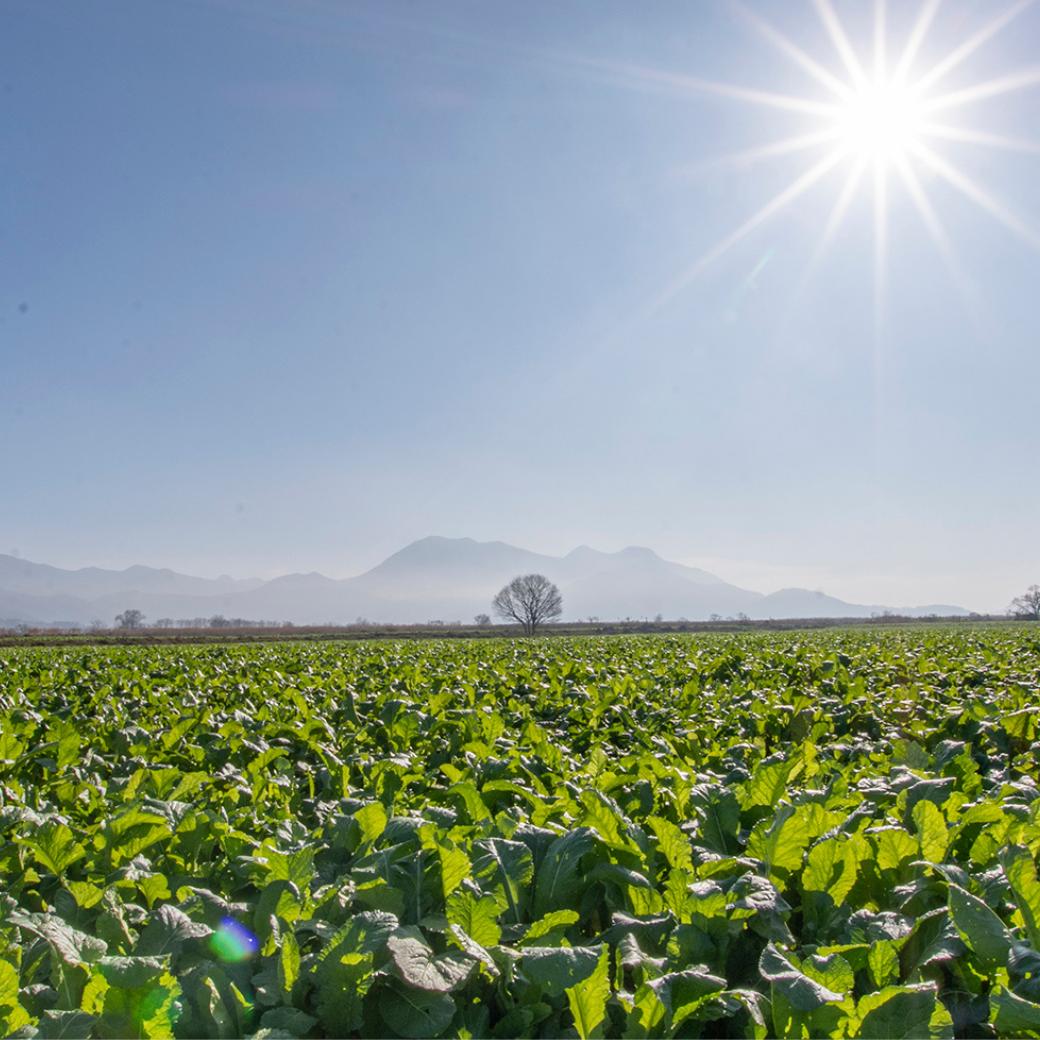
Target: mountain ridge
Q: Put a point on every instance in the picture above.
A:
(435, 577)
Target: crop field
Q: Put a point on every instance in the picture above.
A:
(827, 834)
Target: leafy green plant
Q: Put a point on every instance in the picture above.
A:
(760, 835)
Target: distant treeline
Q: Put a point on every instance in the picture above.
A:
(226, 630)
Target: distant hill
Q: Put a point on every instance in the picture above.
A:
(438, 578)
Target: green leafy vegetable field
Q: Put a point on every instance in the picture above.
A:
(797, 835)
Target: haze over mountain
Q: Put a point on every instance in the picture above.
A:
(434, 578)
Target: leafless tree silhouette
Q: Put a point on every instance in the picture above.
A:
(130, 619)
(530, 600)
(1028, 604)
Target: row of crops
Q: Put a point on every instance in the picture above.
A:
(788, 835)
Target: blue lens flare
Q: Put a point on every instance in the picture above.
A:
(233, 942)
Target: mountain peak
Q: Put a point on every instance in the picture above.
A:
(634, 552)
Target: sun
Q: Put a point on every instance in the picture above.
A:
(874, 109)
(881, 122)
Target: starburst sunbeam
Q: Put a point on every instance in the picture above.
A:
(794, 52)
(881, 119)
(937, 233)
(840, 41)
(639, 75)
(916, 38)
(785, 146)
(967, 187)
(981, 91)
(781, 199)
(966, 135)
(972, 44)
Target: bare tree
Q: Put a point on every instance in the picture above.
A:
(129, 619)
(1027, 605)
(529, 599)
(482, 619)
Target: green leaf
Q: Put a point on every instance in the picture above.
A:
(1012, 1015)
(647, 1015)
(63, 1025)
(148, 1006)
(558, 920)
(883, 960)
(767, 784)
(342, 985)
(455, 867)
(894, 847)
(476, 916)
(288, 962)
(781, 841)
(798, 989)
(831, 866)
(55, 847)
(720, 819)
(167, 931)
(902, 1012)
(12, 1015)
(682, 992)
(1021, 874)
(588, 999)
(933, 832)
(557, 968)
(415, 1013)
(934, 940)
(560, 881)
(471, 800)
(506, 868)
(980, 928)
(417, 965)
(133, 831)
(372, 820)
(8, 985)
(131, 972)
(289, 1020)
(831, 970)
(672, 842)
(72, 947)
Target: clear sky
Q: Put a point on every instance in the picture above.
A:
(284, 286)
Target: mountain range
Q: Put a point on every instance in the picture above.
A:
(434, 578)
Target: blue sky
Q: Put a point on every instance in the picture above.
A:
(285, 286)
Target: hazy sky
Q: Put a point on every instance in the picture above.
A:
(284, 286)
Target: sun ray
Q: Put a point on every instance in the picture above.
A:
(981, 137)
(880, 57)
(795, 53)
(879, 287)
(913, 44)
(785, 146)
(643, 76)
(967, 187)
(838, 211)
(991, 88)
(781, 199)
(931, 221)
(880, 241)
(834, 221)
(972, 44)
(840, 41)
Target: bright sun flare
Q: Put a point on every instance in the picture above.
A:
(881, 122)
(890, 118)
